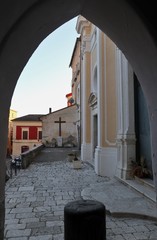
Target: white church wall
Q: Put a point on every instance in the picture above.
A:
(86, 153)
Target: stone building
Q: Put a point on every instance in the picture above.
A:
(60, 128)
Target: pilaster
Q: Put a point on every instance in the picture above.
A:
(99, 78)
(97, 155)
(86, 153)
(85, 92)
(125, 111)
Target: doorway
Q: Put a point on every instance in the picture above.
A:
(142, 126)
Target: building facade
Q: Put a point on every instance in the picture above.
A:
(27, 133)
(76, 85)
(110, 135)
(12, 115)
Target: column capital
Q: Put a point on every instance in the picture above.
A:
(85, 45)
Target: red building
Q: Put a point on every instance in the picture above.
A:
(27, 133)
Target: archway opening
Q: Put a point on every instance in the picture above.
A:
(119, 20)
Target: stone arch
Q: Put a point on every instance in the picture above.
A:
(25, 25)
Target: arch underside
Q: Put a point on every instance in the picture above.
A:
(25, 25)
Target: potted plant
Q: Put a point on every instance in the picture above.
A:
(139, 169)
(76, 162)
(71, 156)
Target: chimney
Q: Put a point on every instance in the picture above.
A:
(50, 110)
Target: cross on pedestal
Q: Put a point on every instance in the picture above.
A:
(60, 122)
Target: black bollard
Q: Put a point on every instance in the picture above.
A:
(84, 220)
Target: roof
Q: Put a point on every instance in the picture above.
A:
(29, 117)
(69, 94)
(59, 110)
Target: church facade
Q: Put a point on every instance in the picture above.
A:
(110, 135)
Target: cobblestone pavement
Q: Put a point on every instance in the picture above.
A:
(36, 197)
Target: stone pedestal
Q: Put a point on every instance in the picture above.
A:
(77, 164)
(59, 141)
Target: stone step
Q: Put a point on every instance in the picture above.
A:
(143, 186)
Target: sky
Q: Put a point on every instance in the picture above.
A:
(46, 78)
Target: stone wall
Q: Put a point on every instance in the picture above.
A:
(28, 156)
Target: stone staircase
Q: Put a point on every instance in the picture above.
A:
(143, 186)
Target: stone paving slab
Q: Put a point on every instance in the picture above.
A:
(36, 197)
(120, 200)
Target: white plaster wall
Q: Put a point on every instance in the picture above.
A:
(18, 144)
(86, 152)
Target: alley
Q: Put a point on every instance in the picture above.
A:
(36, 197)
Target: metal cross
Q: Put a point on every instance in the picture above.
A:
(60, 122)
